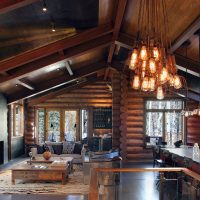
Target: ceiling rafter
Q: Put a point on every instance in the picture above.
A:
(195, 26)
(57, 82)
(26, 84)
(66, 88)
(9, 5)
(118, 21)
(25, 70)
(55, 47)
(68, 67)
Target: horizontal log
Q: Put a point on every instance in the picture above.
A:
(129, 111)
(135, 129)
(85, 95)
(135, 136)
(131, 118)
(134, 114)
(78, 105)
(80, 100)
(135, 124)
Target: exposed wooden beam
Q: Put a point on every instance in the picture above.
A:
(118, 21)
(107, 70)
(26, 84)
(57, 82)
(25, 70)
(8, 5)
(67, 88)
(127, 42)
(55, 47)
(195, 26)
(187, 63)
(68, 67)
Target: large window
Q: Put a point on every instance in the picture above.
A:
(163, 119)
(17, 119)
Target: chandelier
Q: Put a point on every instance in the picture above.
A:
(153, 67)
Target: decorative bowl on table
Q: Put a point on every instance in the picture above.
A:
(47, 155)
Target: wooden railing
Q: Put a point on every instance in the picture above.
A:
(93, 192)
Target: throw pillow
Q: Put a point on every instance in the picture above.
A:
(78, 148)
(68, 147)
(50, 149)
(58, 149)
(40, 149)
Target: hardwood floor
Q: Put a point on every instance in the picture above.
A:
(42, 197)
(138, 186)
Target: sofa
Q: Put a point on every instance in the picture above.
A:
(62, 149)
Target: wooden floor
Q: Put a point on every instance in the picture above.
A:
(133, 187)
(42, 197)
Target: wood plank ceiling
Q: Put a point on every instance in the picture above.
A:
(91, 38)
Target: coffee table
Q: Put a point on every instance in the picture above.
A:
(41, 170)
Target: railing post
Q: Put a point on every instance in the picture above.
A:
(93, 189)
(161, 192)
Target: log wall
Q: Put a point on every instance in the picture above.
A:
(116, 96)
(193, 126)
(94, 95)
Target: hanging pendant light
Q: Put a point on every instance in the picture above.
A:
(160, 93)
(136, 82)
(177, 82)
(145, 84)
(149, 58)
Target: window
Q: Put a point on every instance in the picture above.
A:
(41, 125)
(163, 119)
(53, 125)
(84, 123)
(17, 120)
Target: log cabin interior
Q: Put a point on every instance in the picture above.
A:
(66, 76)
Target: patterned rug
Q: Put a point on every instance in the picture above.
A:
(74, 185)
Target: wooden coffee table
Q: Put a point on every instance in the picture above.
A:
(55, 170)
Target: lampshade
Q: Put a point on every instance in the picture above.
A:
(164, 76)
(177, 82)
(160, 93)
(152, 84)
(145, 84)
(143, 53)
(133, 59)
(152, 66)
(136, 82)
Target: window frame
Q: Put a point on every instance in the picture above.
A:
(164, 111)
(13, 120)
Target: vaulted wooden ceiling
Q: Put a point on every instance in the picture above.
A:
(92, 38)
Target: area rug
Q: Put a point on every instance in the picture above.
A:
(74, 185)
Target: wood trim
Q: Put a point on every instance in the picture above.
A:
(118, 21)
(9, 5)
(55, 47)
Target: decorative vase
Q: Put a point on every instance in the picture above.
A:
(47, 155)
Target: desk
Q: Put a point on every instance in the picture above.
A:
(183, 152)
